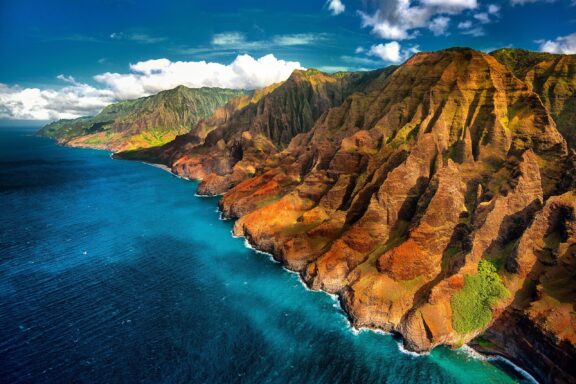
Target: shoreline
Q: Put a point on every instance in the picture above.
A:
(469, 350)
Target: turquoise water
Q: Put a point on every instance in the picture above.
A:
(113, 271)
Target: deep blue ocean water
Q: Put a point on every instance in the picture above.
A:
(114, 272)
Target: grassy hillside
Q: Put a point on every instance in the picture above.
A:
(144, 122)
(520, 61)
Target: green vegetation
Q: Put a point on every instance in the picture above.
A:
(404, 135)
(498, 254)
(472, 305)
(520, 61)
(312, 71)
(144, 122)
(483, 342)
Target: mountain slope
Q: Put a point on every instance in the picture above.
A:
(248, 133)
(144, 122)
(553, 78)
(520, 61)
(436, 199)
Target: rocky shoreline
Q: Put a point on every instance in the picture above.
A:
(484, 351)
(526, 371)
(436, 198)
(527, 368)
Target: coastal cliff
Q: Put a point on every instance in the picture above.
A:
(436, 199)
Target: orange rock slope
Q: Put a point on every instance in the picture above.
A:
(421, 195)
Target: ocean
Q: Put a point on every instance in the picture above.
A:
(115, 272)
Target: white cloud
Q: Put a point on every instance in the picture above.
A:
(332, 69)
(152, 76)
(493, 9)
(452, 4)
(476, 32)
(68, 102)
(336, 7)
(562, 44)
(401, 19)
(145, 78)
(234, 40)
(391, 52)
(298, 39)
(67, 79)
(391, 29)
(237, 40)
(482, 17)
(360, 60)
(228, 38)
(475, 27)
(387, 52)
(359, 50)
(522, 2)
(137, 37)
(439, 25)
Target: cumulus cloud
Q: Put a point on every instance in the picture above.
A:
(46, 104)
(439, 25)
(152, 76)
(144, 78)
(400, 19)
(387, 52)
(562, 44)
(391, 52)
(336, 7)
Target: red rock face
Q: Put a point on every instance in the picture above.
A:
(394, 194)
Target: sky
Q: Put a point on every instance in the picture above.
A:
(70, 58)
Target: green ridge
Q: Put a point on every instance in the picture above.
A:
(143, 122)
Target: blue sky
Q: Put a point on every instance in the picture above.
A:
(64, 58)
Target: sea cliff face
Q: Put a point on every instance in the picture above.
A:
(435, 198)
